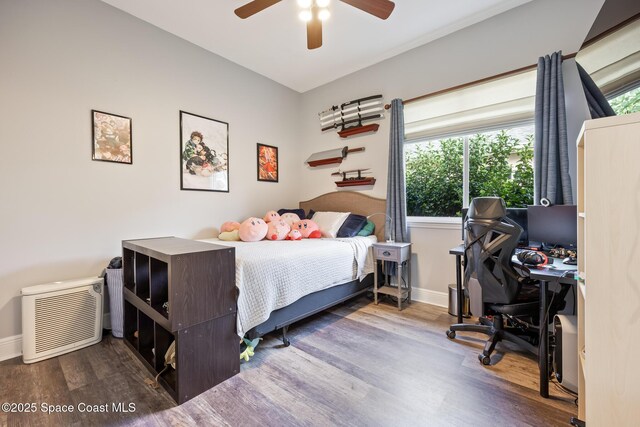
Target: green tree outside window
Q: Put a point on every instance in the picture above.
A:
(626, 103)
(500, 164)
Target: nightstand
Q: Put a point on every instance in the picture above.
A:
(400, 253)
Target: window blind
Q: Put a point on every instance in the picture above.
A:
(614, 61)
(506, 101)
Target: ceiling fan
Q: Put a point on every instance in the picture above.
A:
(314, 12)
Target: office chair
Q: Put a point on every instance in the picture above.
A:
(510, 297)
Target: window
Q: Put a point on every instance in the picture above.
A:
(476, 140)
(434, 177)
(613, 62)
(627, 102)
(443, 175)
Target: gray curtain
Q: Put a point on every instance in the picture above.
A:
(598, 104)
(396, 188)
(551, 150)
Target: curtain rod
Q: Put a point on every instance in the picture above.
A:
(475, 82)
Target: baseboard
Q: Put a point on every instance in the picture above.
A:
(441, 299)
(10, 347)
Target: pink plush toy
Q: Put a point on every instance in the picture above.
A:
(253, 230)
(271, 216)
(277, 230)
(294, 235)
(290, 218)
(308, 229)
(229, 226)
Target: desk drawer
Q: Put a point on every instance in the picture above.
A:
(388, 254)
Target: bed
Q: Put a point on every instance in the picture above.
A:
(282, 282)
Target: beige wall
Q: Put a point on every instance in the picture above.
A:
(63, 216)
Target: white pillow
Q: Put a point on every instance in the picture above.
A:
(330, 222)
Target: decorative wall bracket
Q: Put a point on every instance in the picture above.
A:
(330, 157)
(350, 116)
(356, 130)
(354, 180)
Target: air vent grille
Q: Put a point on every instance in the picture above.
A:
(60, 317)
(63, 320)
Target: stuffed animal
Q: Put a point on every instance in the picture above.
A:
(308, 229)
(253, 230)
(290, 218)
(294, 235)
(249, 351)
(229, 226)
(277, 230)
(271, 216)
(230, 236)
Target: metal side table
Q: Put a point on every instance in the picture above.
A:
(400, 253)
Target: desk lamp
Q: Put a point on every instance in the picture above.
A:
(387, 233)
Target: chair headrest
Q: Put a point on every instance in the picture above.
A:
(487, 208)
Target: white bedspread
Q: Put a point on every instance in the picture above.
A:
(273, 274)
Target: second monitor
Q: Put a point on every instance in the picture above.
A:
(553, 225)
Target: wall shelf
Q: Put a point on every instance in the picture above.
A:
(357, 130)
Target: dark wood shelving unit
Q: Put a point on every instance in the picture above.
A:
(197, 280)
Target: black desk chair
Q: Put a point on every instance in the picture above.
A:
(510, 298)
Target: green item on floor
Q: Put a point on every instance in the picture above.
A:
(249, 351)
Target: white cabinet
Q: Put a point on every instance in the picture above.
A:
(609, 263)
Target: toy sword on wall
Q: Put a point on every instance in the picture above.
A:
(352, 113)
(331, 156)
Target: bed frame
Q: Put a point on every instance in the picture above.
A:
(342, 201)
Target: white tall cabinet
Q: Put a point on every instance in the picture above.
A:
(609, 268)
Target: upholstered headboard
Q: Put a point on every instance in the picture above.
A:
(349, 201)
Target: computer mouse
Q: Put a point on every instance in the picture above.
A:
(570, 261)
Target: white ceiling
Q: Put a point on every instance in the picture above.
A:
(273, 42)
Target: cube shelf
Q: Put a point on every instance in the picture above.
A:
(184, 291)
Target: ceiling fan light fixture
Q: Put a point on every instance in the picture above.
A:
(314, 12)
(324, 14)
(305, 15)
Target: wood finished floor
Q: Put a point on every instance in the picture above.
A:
(357, 364)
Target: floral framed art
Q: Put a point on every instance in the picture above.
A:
(111, 138)
(204, 153)
(268, 168)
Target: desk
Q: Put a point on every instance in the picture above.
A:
(548, 275)
(552, 273)
(458, 251)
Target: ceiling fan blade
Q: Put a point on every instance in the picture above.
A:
(314, 32)
(380, 8)
(254, 7)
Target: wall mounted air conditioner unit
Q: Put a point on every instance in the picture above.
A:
(61, 317)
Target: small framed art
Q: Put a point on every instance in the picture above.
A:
(111, 138)
(204, 153)
(267, 163)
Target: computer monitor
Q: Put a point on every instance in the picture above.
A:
(519, 215)
(553, 225)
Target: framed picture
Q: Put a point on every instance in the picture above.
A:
(111, 136)
(204, 153)
(267, 163)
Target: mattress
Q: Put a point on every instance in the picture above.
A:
(273, 274)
